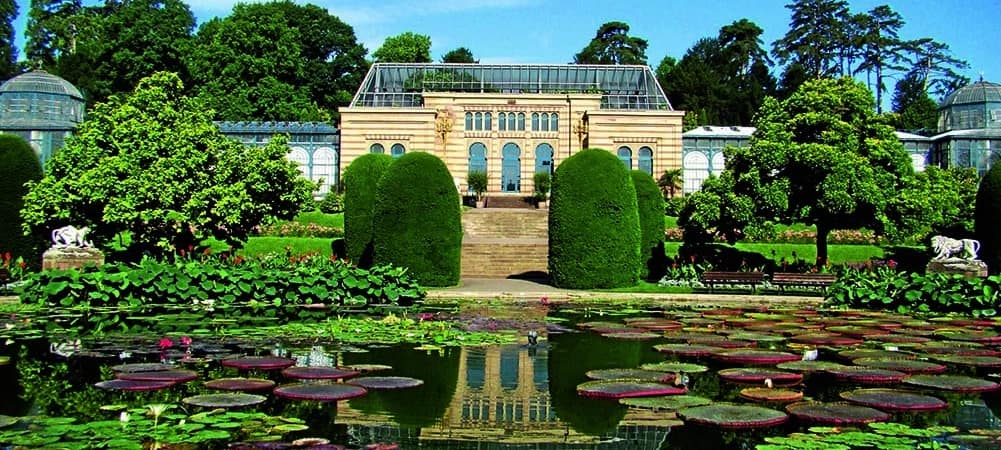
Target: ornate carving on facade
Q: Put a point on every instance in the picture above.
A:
(443, 124)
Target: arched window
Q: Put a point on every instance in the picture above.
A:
(535, 122)
(299, 156)
(544, 158)
(555, 122)
(397, 150)
(477, 157)
(479, 121)
(521, 121)
(646, 160)
(511, 167)
(544, 122)
(511, 124)
(626, 155)
(377, 148)
(502, 122)
(469, 121)
(325, 169)
(488, 121)
(695, 169)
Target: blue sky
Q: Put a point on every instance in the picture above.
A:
(541, 31)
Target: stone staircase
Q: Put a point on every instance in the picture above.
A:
(509, 201)
(505, 243)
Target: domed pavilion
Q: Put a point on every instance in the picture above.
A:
(969, 126)
(41, 108)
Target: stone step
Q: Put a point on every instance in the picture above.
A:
(502, 258)
(505, 223)
(509, 201)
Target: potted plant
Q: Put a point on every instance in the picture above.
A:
(477, 182)
(543, 182)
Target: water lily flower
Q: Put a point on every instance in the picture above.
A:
(544, 300)
(157, 409)
(186, 341)
(125, 355)
(123, 417)
(165, 343)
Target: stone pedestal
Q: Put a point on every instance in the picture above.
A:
(71, 257)
(966, 267)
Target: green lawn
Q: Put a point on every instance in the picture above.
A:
(837, 254)
(319, 218)
(298, 245)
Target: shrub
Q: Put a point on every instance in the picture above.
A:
(361, 181)
(594, 230)
(987, 216)
(543, 182)
(417, 220)
(477, 181)
(650, 203)
(332, 203)
(18, 165)
(674, 205)
(886, 288)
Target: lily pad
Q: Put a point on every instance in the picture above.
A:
(240, 384)
(365, 368)
(6, 421)
(387, 382)
(755, 375)
(142, 367)
(973, 361)
(688, 350)
(258, 363)
(837, 413)
(907, 366)
(624, 389)
(866, 376)
(4, 360)
(755, 357)
(173, 376)
(825, 339)
(634, 335)
(321, 392)
(228, 400)
(955, 383)
(630, 374)
(134, 385)
(771, 395)
(809, 366)
(894, 400)
(675, 367)
(874, 353)
(667, 402)
(319, 373)
(733, 417)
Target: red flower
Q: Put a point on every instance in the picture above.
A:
(238, 260)
(6, 257)
(182, 252)
(207, 251)
(165, 343)
(186, 341)
(22, 264)
(891, 264)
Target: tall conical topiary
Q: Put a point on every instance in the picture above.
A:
(650, 203)
(417, 220)
(987, 218)
(361, 181)
(594, 231)
(18, 165)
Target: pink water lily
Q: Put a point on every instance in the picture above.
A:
(186, 341)
(165, 343)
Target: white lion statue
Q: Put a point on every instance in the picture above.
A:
(70, 236)
(948, 248)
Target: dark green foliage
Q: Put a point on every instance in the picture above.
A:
(987, 216)
(332, 203)
(594, 227)
(417, 220)
(613, 45)
(18, 164)
(361, 181)
(543, 182)
(650, 204)
(477, 182)
(886, 288)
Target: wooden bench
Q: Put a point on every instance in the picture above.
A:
(712, 278)
(821, 280)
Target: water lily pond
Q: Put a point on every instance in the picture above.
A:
(487, 376)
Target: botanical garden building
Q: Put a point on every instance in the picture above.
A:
(41, 108)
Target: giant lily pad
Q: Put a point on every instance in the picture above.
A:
(688, 350)
(730, 416)
(320, 392)
(173, 376)
(717, 341)
(624, 389)
(866, 376)
(809, 366)
(836, 413)
(6, 421)
(387, 382)
(668, 402)
(907, 366)
(319, 373)
(134, 385)
(630, 374)
(955, 383)
(771, 395)
(874, 353)
(755, 357)
(632, 335)
(228, 400)
(894, 400)
(825, 339)
(755, 375)
(656, 324)
(973, 361)
(675, 367)
(258, 363)
(240, 384)
(142, 367)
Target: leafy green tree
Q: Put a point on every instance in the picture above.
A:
(697, 84)
(8, 52)
(461, 55)
(613, 45)
(406, 47)
(815, 36)
(670, 182)
(276, 61)
(936, 201)
(820, 157)
(18, 165)
(882, 48)
(916, 110)
(50, 31)
(119, 43)
(153, 165)
(932, 62)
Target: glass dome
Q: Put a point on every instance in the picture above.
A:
(41, 108)
(974, 106)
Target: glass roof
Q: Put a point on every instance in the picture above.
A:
(402, 85)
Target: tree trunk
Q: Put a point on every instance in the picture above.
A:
(822, 232)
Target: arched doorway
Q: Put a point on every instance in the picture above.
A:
(696, 170)
(511, 168)
(626, 156)
(544, 158)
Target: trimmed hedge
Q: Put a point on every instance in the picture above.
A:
(987, 216)
(18, 165)
(650, 203)
(361, 181)
(594, 226)
(417, 220)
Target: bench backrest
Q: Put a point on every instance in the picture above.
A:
(817, 277)
(732, 276)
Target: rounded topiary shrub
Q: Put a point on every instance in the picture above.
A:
(361, 180)
(987, 216)
(594, 231)
(18, 165)
(417, 220)
(650, 203)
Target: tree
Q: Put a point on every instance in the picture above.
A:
(820, 157)
(276, 61)
(932, 63)
(741, 43)
(18, 165)
(670, 182)
(8, 52)
(916, 110)
(815, 36)
(50, 31)
(119, 43)
(936, 201)
(461, 55)
(153, 165)
(405, 48)
(882, 47)
(613, 45)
